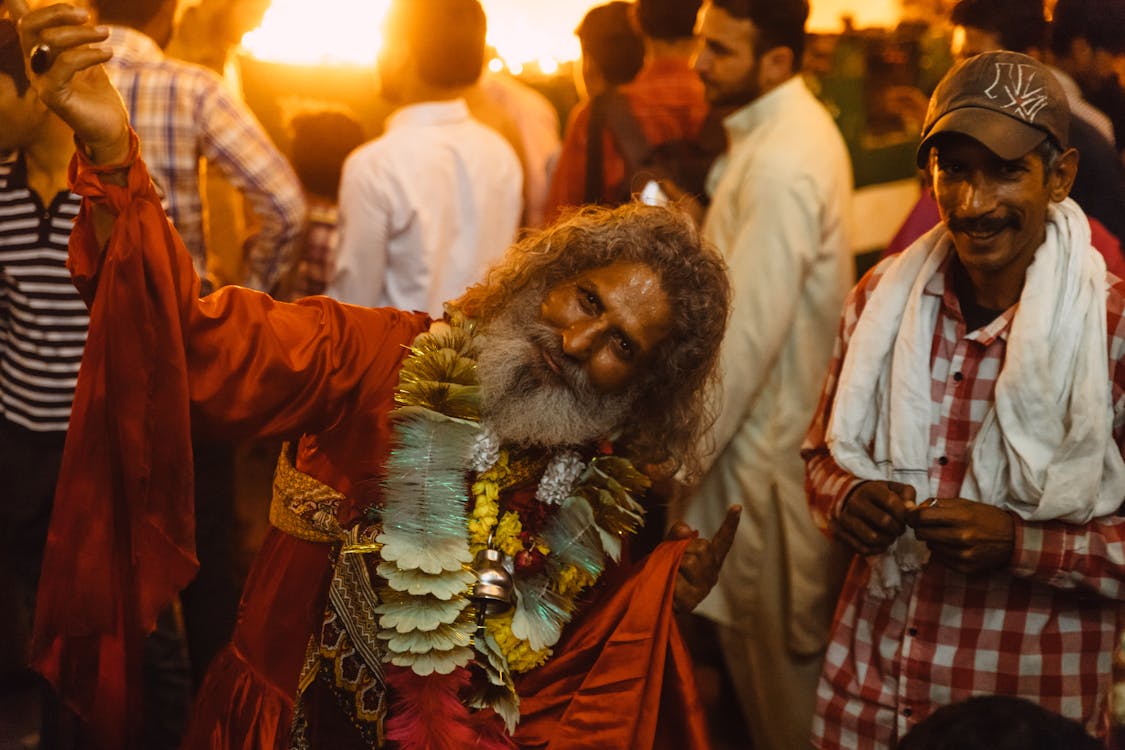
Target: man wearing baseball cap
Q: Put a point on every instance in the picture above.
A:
(968, 444)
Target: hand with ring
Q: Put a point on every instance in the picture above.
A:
(65, 55)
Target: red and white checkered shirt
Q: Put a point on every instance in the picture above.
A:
(1044, 628)
(184, 113)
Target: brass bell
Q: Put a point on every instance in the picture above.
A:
(492, 593)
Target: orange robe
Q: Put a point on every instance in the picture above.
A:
(122, 538)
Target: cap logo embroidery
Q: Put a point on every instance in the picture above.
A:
(1025, 97)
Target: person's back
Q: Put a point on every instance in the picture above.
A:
(426, 207)
(184, 113)
(649, 76)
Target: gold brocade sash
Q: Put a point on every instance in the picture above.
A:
(346, 648)
(304, 507)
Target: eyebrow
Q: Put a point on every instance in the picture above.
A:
(628, 318)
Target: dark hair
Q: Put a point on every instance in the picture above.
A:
(674, 406)
(997, 722)
(1020, 24)
(778, 23)
(445, 38)
(667, 19)
(322, 140)
(133, 13)
(609, 39)
(1099, 22)
(11, 57)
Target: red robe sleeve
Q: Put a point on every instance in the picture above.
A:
(121, 543)
(622, 676)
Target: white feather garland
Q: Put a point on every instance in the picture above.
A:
(440, 662)
(417, 582)
(572, 537)
(540, 613)
(442, 638)
(406, 613)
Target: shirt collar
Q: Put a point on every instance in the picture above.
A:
(130, 45)
(941, 285)
(429, 113)
(743, 121)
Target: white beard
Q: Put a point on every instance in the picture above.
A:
(525, 402)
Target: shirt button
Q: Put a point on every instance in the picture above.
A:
(907, 712)
(913, 632)
(958, 377)
(943, 460)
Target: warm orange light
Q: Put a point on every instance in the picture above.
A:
(525, 33)
(349, 31)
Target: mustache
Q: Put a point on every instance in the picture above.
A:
(549, 343)
(983, 224)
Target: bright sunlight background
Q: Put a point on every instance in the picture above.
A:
(524, 32)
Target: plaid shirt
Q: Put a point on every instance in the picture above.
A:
(318, 254)
(1044, 628)
(184, 113)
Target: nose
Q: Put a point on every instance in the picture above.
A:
(580, 338)
(700, 61)
(978, 196)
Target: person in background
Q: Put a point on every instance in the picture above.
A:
(186, 114)
(781, 201)
(537, 123)
(429, 205)
(43, 324)
(1087, 39)
(968, 444)
(321, 142)
(590, 170)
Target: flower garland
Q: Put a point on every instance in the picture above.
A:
(555, 543)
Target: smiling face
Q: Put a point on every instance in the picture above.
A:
(995, 209)
(565, 366)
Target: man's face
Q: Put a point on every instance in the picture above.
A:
(566, 366)
(968, 41)
(21, 115)
(995, 209)
(725, 59)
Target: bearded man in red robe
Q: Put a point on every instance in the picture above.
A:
(449, 562)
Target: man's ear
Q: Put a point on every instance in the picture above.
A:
(775, 67)
(1061, 180)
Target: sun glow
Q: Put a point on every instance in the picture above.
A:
(529, 34)
(349, 32)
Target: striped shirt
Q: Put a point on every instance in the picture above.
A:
(184, 113)
(1043, 628)
(43, 320)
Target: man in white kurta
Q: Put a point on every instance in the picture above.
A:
(781, 197)
(427, 207)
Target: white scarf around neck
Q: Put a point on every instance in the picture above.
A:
(1045, 449)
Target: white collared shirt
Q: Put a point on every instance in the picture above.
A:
(425, 209)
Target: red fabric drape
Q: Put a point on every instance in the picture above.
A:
(622, 676)
(122, 537)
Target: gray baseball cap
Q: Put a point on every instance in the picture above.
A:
(1009, 102)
